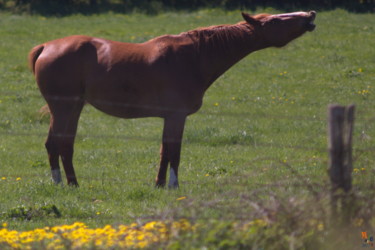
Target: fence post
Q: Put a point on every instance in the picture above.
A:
(340, 130)
(341, 120)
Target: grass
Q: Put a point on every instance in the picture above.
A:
(256, 150)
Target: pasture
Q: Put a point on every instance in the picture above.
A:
(256, 151)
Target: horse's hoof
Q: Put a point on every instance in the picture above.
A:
(173, 186)
(160, 183)
(73, 183)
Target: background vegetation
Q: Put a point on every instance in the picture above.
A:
(57, 7)
(255, 153)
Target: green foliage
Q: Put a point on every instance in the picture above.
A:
(29, 213)
(57, 7)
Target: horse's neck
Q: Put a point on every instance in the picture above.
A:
(223, 46)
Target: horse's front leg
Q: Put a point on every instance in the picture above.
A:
(170, 150)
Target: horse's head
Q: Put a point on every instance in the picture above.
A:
(278, 30)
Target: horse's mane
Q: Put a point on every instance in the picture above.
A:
(261, 16)
(216, 37)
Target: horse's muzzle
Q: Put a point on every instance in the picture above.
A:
(310, 24)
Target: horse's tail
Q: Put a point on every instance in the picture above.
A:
(33, 56)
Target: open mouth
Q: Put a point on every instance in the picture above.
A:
(311, 25)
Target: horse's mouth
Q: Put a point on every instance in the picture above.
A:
(311, 25)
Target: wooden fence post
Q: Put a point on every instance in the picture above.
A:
(340, 130)
(341, 120)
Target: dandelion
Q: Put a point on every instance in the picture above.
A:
(233, 98)
(320, 227)
(5, 224)
(3, 178)
(364, 92)
(181, 198)
(360, 70)
(18, 178)
(97, 213)
(79, 236)
(363, 169)
(216, 104)
(355, 170)
(207, 175)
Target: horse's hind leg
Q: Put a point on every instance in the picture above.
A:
(53, 156)
(64, 120)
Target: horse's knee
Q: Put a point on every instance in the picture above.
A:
(51, 146)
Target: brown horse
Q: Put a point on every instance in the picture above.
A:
(165, 77)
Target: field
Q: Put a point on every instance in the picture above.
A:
(253, 170)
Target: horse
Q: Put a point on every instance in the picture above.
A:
(164, 77)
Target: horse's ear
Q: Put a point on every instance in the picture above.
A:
(249, 19)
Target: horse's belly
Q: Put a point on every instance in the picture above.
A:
(126, 108)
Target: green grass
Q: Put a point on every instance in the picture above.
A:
(261, 132)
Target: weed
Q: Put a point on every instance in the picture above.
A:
(29, 213)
